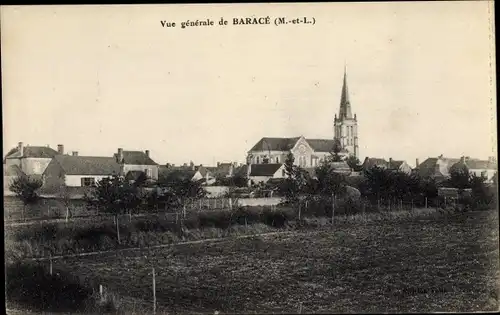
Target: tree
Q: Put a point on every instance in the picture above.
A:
(179, 188)
(480, 192)
(328, 181)
(378, 183)
(459, 177)
(115, 195)
(354, 163)
(290, 187)
(65, 196)
(25, 189)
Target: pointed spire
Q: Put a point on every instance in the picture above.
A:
(345, 104)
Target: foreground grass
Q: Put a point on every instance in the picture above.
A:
(402, 266)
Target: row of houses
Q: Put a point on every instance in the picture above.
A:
(265, 161)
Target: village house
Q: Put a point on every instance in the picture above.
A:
(261, 173)
(31, 160)
(132, 163)
(480, 168)
(195, 173)
(78, 171)
(392, 165)
(435, 167)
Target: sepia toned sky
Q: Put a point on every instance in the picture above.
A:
(420, 75)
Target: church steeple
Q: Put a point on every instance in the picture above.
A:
(345, 104)
(346, 126)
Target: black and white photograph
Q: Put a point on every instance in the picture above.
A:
(263, 158)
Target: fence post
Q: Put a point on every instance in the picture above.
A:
(425, 202)
(101, 293)
(299, 210)
(230, 204)
(154, 292)
(400, 204)
(300, 308)
(333, 206)
(50, 262)
(199, 204)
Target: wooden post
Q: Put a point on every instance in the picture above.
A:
(246, 223)
(130, 216)
(300, 308)
(117, 229)
(67, 213)
(184, 211)
(426, 202)
(400, 204)
(101, 292)
(50, 264)
(333, 207)
(412, 203)
(378, 204)
(176, 217)
(299, 210)
(230, 204)
(445, 202)
(154, 292)
(199, 205)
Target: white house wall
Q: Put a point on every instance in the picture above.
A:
(76, 180)
(32, 166)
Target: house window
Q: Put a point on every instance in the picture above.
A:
(257, 160)
(277, 159)
(149, 172)
(88, 181)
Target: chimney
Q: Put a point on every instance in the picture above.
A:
(20, 147)
(60, 149)
(167, 165)
(191, 164)
(119, 156)
(185, 165)
(462, 159)
(441, 156)
(416, 163)
(147, 153)
(75, 153)
(390, 162)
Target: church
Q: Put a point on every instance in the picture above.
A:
(310, 152)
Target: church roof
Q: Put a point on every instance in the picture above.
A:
(345, 104)
(275, 144)
(286, 144)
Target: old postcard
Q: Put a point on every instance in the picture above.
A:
(250, 158)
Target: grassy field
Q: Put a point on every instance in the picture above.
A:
(446, 264)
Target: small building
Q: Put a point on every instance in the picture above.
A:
(399, 166)
(261, 173)
(78, 171)
(31, 160)
(137, 161)
(480, 168)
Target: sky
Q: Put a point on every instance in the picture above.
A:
(97, 78)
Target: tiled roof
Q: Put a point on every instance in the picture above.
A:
(32, 152)
(136, 158)
(371, 162)
(321, 145)
(394, 164)
(175, 171)
(286, 144)
(264, 169)
(435, 167)
(275, 144)
(223, 169)
(88, 165)
(481, 164)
